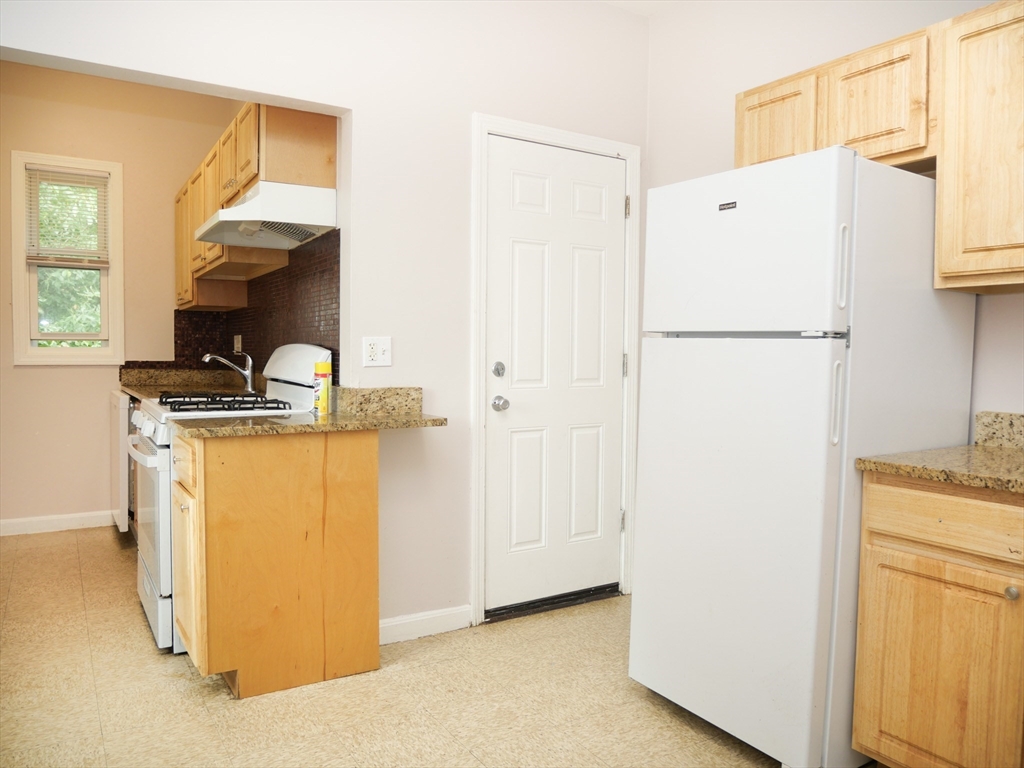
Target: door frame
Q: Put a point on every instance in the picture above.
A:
(484, 126)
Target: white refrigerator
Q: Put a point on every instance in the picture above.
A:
(790, 327)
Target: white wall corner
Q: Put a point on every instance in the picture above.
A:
(416, 625)
(16, 526)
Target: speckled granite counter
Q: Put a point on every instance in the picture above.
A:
(354, 408)
(298, 423)
(996, 461)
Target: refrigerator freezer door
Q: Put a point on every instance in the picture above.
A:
(761, 248)
(737, 492)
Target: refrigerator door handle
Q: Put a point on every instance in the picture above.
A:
(844, 266)
(837, 402)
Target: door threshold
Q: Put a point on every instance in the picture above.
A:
(551, 603)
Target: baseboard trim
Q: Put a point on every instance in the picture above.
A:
(16, 526)
(415, 625)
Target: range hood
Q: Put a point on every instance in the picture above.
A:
(273, 215)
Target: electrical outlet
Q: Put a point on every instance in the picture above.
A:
(238, 342)
(376, 351)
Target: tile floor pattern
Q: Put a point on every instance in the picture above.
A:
(82, 684)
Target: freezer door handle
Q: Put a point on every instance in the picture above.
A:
(837, 402)
(844, 266)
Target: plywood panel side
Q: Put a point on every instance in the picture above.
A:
(298, 147)
(352, 625)
(264, 504)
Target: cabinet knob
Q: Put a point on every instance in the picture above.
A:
(175, 459)
(184, 507)
(1012, 593)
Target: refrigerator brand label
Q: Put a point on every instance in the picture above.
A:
(727, 206)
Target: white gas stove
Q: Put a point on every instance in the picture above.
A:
(289, 373)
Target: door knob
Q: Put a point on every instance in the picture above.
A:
(498, 369)
(499, 403)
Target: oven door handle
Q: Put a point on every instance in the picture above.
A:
(149, 462)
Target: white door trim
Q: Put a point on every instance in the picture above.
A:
(483, 125)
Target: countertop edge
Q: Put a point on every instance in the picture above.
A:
(942, 469)
(336, 423)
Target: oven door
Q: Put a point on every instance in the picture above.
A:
(153, 508)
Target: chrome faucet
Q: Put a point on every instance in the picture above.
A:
(246, 372)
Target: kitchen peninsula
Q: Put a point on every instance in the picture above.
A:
(274, 529)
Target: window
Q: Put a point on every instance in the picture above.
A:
(66, 237)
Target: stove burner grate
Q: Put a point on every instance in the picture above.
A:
(209, 401)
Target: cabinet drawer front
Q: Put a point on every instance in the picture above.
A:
(184, 462)
(981, 527)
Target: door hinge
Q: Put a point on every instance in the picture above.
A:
(622, 520)
(627, 206)
(625, 364)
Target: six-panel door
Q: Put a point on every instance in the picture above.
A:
(555, 289)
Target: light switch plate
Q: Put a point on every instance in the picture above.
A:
(376, 351)
(238, 342)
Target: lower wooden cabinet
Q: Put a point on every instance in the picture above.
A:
(275, 557)
(940, 643)
(189, 574)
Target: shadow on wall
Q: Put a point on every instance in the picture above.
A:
(296, 304)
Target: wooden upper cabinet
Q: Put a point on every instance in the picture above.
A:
(196, 211)
(239, 153)
(247, 146)
(777, 120)
(182, 257)
(980, 231)
(877, 102)
(228, 149)
(211, 200)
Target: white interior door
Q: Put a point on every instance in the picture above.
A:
(555, 284)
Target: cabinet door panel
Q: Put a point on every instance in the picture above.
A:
(195, 216)
(211, 200)
(182, 240)
(183, 564)
(227, 180)
(776, 122)
(981, 162)
(940, 662)
(878, 102)
(247, 145)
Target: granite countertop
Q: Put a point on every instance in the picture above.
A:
(353, 408)
(299, 423)
(996, 461)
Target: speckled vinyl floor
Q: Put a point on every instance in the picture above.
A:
(82, 684)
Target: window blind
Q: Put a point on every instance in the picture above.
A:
(67, 217)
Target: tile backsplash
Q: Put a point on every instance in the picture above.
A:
(296, 304)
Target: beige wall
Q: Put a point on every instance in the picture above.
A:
(412, 74)
(53, 420)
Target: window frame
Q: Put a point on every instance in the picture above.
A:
(24, 275)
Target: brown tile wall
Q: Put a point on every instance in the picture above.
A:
(296, 304)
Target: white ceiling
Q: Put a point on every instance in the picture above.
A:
(642, 7)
